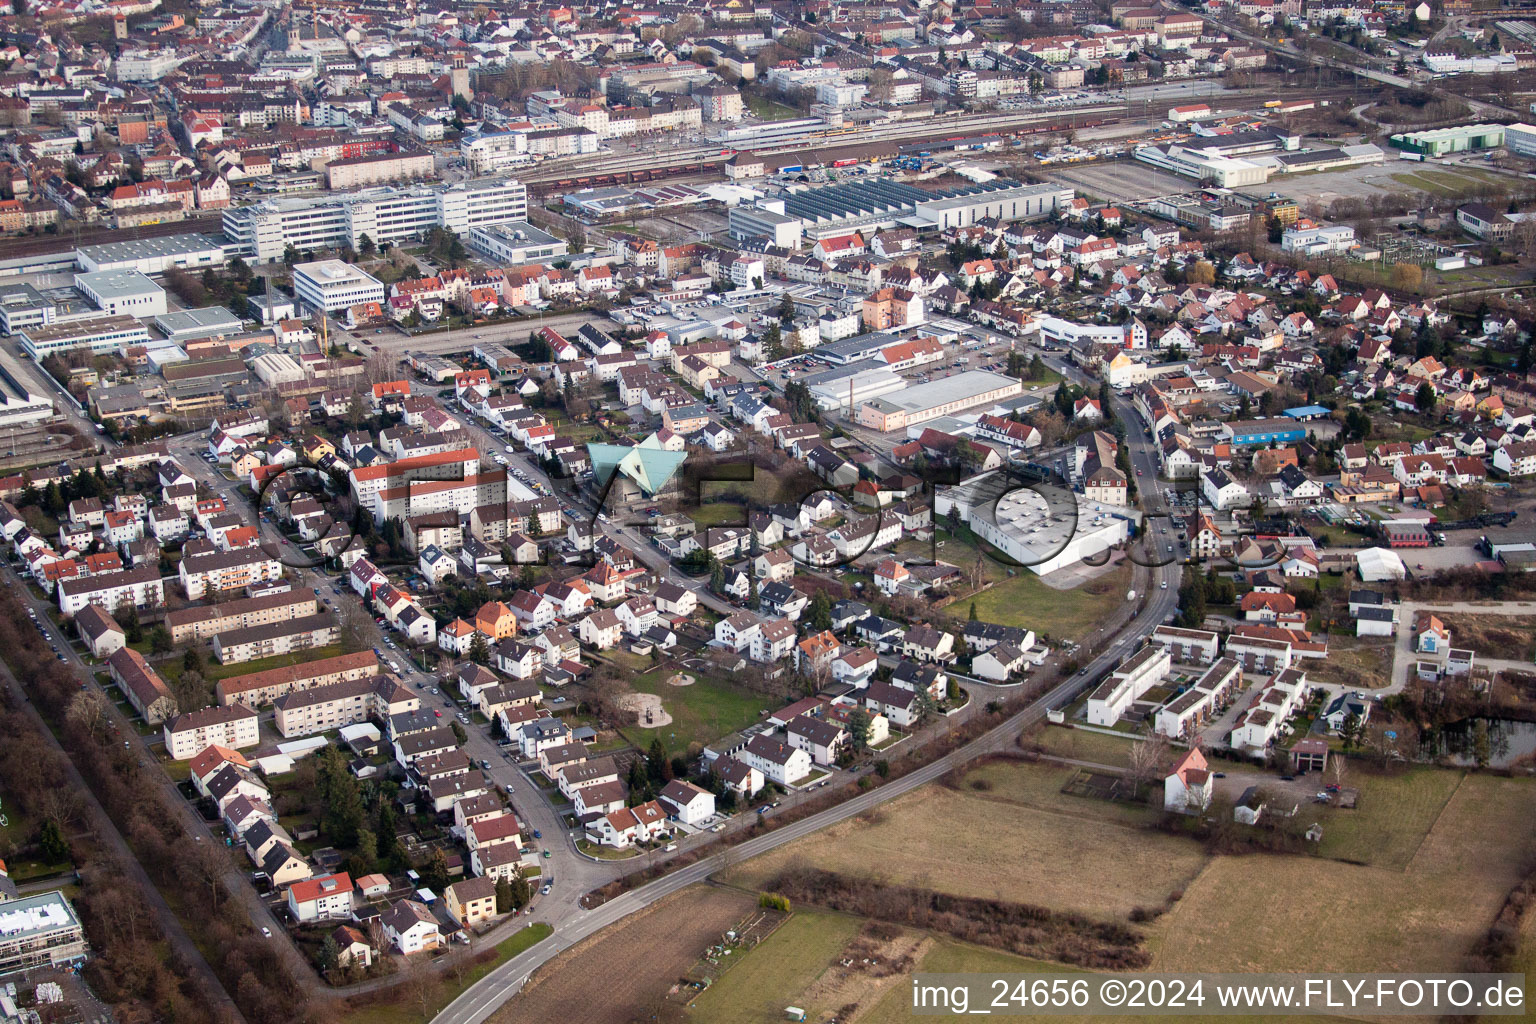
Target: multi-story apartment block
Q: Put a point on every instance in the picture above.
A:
(272, 638)
(235, 726)
(140, 587)
(258, 688)
(324, 708)
(187, 625)
(264, 231)
(227, 570)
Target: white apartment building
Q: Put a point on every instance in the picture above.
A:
(335, 705)
(332, 285)
(1145, 669)
(235, 726)
(263, 231)
(227, 570)
(1262, 722)
(140, 587)
(1197, 705)
(1188, 646)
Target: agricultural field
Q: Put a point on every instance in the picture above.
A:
(963, 843)
(1392, 874)
(788, 961)
(1040, 789)
(802, 964)
(1421, 917)
(624, 973)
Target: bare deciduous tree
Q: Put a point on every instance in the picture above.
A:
(88, 711)
(1149, 756)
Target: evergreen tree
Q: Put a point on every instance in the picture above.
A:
(53, 499)
(858, 728)
(159, 640)
(192, 660)
(717, 578)
(50, 839)
(330, 954)
(479, 652)
(342, 798)
(773, 343)
(367, 848)
(435, 874)
(819, 615)
(973, 612)
(656, 760)
(754, 600)
(128, 618)
(503, 896)
(1063, 399)
(1425, 398)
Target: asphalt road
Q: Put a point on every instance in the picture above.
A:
(484, 997)
(479, 1001)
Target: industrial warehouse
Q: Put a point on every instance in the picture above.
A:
(827, 211)
(937, 398)
(1042, 527)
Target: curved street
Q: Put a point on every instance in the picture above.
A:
(573, 923)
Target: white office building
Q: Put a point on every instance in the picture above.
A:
(263, 232)
(516, 242)
(332, 285)
(1318, 239)
(125, 292)
(495, 152)
(99, 334)
(1520, 139)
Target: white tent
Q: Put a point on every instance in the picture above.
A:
(1377, 564)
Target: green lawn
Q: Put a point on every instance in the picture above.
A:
(700, 713)
(1050, 379)
(768, 110)
(606, 852)
(1081, 744)
(1394, 814)
(20, 830)
(771, 976)
(718, 513)
(405, 1012)
(1025, 600)
(171, 668)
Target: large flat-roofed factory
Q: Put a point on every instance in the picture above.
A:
(822, 212)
